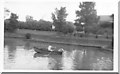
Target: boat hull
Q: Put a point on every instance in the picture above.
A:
(45, 51)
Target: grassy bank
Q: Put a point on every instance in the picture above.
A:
(56, 38)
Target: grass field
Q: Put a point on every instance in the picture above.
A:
(53, 33)
(24, 31)
(48, 36)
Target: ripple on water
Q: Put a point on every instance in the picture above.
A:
(24, 57)
(103, 64)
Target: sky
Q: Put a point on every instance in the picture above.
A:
(42, 9)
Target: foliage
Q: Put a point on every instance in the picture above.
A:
(79, 28)
(45, 25)
(28, 36)
(10, 24)
(106, 28)
(59, 18)
(68, 28)
(41, 25)
(87, 14)
(92, 29)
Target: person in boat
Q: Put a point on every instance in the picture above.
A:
(51, 48)
(61, 50)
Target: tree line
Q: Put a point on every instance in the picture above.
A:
(86, 21)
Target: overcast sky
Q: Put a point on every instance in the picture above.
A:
(42, 9)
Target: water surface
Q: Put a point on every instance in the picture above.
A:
(20, 55)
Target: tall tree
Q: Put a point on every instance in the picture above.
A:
(87, 15)
(59, 18)
(11, 23)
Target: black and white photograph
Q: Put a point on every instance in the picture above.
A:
(59, 35)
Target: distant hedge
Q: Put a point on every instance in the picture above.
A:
(35, 25)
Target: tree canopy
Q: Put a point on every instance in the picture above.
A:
(59, 18)
(11, 23)
(87, 14)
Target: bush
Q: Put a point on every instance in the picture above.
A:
(28, 36)
(67, 29)
(79, 28)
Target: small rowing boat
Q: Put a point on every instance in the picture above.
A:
(46, 51)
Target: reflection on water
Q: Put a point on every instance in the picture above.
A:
(19, 54)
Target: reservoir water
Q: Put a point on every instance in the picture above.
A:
(19, 54)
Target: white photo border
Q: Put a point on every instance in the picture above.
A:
(115, 69)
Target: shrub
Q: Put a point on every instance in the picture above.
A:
(28, 36)
(67, 29)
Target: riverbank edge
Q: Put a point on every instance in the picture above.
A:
(13, 35)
